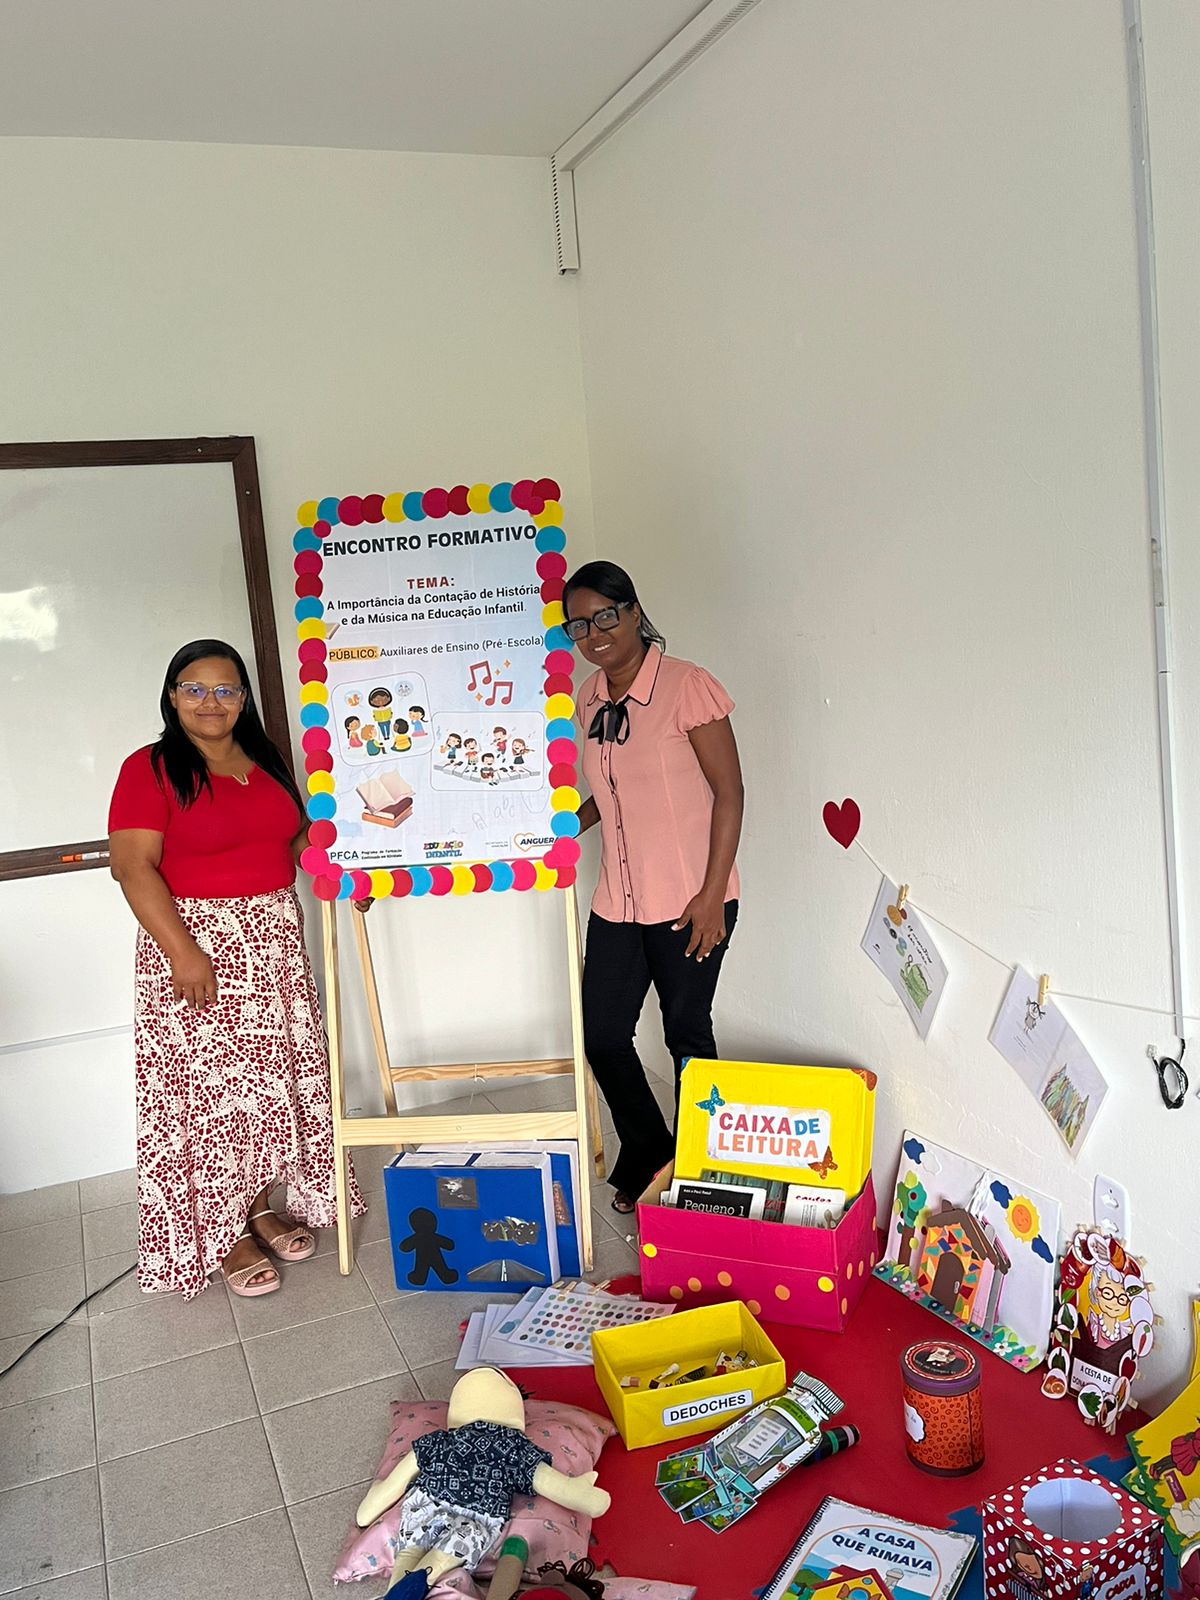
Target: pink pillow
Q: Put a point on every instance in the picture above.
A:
(573, 1437)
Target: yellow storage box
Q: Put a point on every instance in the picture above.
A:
(809, 1125)
(692, 1338)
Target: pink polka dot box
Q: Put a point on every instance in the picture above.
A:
(809, 1277)
(1065, 1531)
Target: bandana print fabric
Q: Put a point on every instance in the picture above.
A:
(480, 1466)
(429, 1524)
(231, 1099)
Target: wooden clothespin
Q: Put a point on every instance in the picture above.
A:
(902, 897)
(1043, 990)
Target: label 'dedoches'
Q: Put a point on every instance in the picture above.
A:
(712, 1405)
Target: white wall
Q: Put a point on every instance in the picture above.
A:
(860, 328)
(376, 321)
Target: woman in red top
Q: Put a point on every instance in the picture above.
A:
(232, 1072)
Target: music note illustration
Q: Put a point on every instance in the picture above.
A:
(504, 684)
(481, 673)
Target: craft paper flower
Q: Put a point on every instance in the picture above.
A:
(1023, 1218)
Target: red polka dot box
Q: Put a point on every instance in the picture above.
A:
(1065, 1531)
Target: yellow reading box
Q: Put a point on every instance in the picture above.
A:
(809, 1125)
(691, 1338)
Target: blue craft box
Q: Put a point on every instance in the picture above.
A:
(467, 1228)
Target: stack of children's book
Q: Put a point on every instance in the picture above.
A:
(550, 1327)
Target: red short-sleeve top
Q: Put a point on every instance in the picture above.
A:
(235, 841)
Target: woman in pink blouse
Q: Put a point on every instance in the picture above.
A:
(662, 765)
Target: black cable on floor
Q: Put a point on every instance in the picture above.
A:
(65, 1319)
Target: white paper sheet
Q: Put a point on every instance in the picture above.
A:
(899, 944)
(1044, 1049)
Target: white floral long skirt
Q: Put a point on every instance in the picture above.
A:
(231, 1099)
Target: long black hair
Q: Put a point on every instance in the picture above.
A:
(175, 758)
(614, 583)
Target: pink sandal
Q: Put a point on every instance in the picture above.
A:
(239, 1281)
(278, 1245)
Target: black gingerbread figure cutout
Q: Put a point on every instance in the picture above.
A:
(427, 1245)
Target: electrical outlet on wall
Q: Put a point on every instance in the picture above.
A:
(1110, 1206)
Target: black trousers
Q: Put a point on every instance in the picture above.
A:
(623, 959)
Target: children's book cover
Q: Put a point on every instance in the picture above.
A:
(903, 1559)
(974, 1247)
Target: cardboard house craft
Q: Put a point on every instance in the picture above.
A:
(962, 1266)
(387, 799)
(976, 1248)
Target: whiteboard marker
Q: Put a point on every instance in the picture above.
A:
(88, 855)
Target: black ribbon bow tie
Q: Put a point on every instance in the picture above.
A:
(610, 725)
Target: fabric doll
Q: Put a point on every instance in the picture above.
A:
(458, 1484)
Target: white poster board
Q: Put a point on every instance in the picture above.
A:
(436, 687)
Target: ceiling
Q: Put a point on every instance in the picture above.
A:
(498, 77)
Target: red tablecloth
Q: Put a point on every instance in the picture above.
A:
(1022, 1431)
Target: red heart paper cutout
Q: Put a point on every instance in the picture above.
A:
(843, 822)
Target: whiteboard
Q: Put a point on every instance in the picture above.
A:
(70, 969)
(106, 572)
(114, 554)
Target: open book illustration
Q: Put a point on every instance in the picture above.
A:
(387, 799)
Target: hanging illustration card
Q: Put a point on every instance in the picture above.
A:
(974, 1247)
(1040, 1044)
(899, 944)
(788, 1124)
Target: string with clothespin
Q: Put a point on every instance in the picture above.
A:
(1172, 1079)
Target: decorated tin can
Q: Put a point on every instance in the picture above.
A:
(943, 1407)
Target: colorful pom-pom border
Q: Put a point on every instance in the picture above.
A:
(540, 500)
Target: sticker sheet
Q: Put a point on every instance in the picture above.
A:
(565, 1319)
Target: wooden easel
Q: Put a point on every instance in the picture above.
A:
(481, 1128)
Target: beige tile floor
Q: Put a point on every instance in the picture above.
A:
(151, 1449)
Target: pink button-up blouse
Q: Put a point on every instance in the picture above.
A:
(654, 801)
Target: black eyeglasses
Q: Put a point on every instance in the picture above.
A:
(576, 628)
